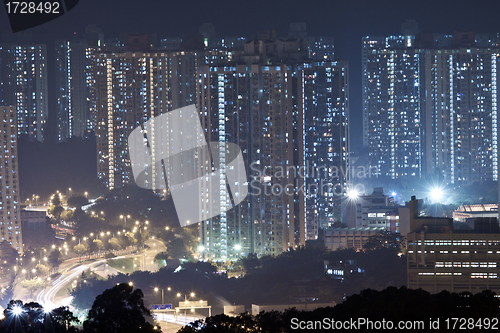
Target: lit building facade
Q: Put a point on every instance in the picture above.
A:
(430, 105)
(326, 142)
(75, 89)
(349, 238)
(23, 84)
(461, 111)
(10, 211)
(289, 116)
(440, 258)
(391, 105)
(254, 107)
(130, 89)
(321, 48)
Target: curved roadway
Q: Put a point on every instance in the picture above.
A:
(47, 296)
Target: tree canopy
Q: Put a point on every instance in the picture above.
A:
(119, 309)
(32, 317)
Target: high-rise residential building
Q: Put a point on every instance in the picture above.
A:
(23, 84)
(131, 88)
(10, 218)
(326, 142)
(286, 112)
(430, 105)
(321, 48)
(392, 105)
(75, 89)
(461, 113)
(254, 107)
(289, 117)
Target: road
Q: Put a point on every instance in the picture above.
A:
(173, 322)
(47, 296)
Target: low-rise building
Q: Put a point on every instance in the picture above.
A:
(441, 258)
(465, 212)
(346, 238)
(33, 219)
(341, 269)
(357, 209)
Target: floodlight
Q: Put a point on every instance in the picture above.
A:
(352, 193)
(437, 194)
(17, 310)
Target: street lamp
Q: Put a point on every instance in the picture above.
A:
(125, 217)
(156, 289)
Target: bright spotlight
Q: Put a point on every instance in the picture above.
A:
(393, 194)
(47, 310)
(437, 194)
(201, 248)
(237, 247)
(17, 310)
(352, 193)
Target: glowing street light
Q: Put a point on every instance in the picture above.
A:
(17, 310)
(352, 194)
(125, 218)
(437, 194)
(162, 302)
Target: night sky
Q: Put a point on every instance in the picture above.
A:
(346, 21)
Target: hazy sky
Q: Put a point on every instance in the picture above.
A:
(346, 21)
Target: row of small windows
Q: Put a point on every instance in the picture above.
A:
(455, 243)
(465, 264)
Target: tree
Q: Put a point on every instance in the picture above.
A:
(33, 284)
(62, 320)
(67, 215)
(56, 200)
(79, 249)
(141, 236)
(385, 239)
(176, 249)
(56, 211)
(205, 268)
(114, 244)
(31, 317)
(42, 269)
(8, 254)
(130, 240)
(55, 258)
(251, 263)
(7, 294)
(78, 201)
(119, 309)
(99, 244)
